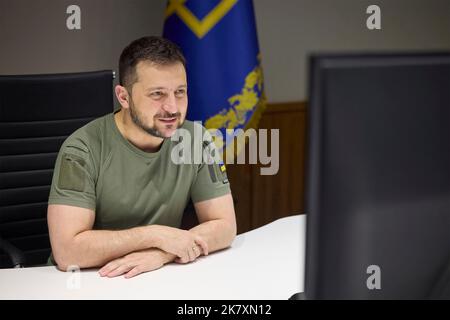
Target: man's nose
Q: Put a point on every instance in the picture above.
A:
(170, 104)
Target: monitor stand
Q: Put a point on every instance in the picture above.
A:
(298, 296)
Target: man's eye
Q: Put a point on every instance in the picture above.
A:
(156, 94)
(180, 93)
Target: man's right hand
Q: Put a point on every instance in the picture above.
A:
(181, 243)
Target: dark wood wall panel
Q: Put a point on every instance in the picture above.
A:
(239, 176)
(260, 199)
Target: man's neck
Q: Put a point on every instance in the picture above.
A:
(135, 135)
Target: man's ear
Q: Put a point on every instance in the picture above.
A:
(122, 96)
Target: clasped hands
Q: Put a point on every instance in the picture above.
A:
(172, 244)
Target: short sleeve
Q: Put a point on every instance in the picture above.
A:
(73, 180)
(211, 180)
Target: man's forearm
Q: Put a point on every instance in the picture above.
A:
(167, 257)
(218, 234)
(93, 248)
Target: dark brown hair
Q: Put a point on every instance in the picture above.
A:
(154, 49)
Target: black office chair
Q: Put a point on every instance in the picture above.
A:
(37, 113)
(189, 219)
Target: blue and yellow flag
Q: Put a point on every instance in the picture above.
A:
(225, 79)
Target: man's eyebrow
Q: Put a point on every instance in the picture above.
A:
(184, 86)
(155, 88)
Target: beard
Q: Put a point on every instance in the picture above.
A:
(136, 117)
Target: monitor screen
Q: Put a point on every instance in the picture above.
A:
(378, 176)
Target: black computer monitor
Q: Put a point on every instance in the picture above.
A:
(378, 177)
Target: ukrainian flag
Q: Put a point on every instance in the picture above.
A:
(225, 79)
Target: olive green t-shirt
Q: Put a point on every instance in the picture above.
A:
(98, 169)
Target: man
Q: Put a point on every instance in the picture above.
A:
(117, 198)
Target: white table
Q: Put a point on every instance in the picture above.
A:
(265, 263)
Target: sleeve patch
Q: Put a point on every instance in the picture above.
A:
(72, 174)
(212, 173)
(221, 172)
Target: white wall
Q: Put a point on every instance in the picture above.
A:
(291, 29)
(34, 37)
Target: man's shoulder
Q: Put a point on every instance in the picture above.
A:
(193, 127)
(89, 136)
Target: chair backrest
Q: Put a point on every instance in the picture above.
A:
(37, 113)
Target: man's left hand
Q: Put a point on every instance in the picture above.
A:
(135, 263)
